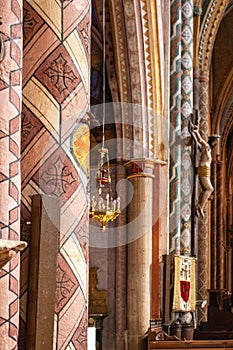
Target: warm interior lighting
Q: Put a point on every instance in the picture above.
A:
(104, 207)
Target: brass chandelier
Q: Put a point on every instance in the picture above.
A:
(104, 207)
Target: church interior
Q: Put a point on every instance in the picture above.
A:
(116, 174)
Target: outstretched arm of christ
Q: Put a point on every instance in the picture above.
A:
(194, 131)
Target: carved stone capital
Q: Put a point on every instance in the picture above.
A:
(142, 167)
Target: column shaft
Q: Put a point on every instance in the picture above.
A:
(139, 260)
(220, 263)
(214, 219)
(10, 109)
(186, 110)
(203, 229)
(55, 147)
(121, 288)
(175, 129)
(155, 288)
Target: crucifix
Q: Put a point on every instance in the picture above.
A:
(204, 164)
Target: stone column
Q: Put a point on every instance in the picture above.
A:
(203, 229)
(155, 268)
(140, 175)
(175, 127)
(55, 147)
(10, 109)
(220, 262)
(230, 240)
(196, 84)
(186, 110)
(121, 288)
(214, 215)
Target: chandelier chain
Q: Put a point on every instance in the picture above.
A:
(104, 71)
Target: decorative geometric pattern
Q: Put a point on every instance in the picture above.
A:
(175, 129)
(10, 109)
(55, 89)
(186, 110)
(32, 22)
(30, 126)
(66, 283)
(79, 339)
(153, 78)
(83, 30)
(208, 32)
(203, 236)
(59, 74)
(57, 176)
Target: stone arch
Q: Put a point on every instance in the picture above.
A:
(208, 32)
(222, 118)
(134, 67)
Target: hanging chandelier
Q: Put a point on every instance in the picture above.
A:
(104, 207)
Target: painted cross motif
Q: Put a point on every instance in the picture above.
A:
(65, 287)
(58, 178)
(29, 22)
(60, 74)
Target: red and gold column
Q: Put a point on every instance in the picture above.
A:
(55, 146)
(10, 109)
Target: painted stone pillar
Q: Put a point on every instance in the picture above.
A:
(140, 175)
(203, 233)
(214, 220)
(186, 110)
(175, 126)
(55, 147)
(155, 318)
(229, 258)
(196, 87)
(220, 262)
(10, 109)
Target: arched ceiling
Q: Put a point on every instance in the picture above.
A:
(206, 3)
(222, 90)
(222, 61)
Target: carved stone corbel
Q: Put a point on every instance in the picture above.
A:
(2, 45)
(8, 249)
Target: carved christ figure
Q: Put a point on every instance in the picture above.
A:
(203, 170)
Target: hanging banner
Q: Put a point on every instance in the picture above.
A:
(184, 298)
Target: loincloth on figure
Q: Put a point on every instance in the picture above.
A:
(203, 170)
